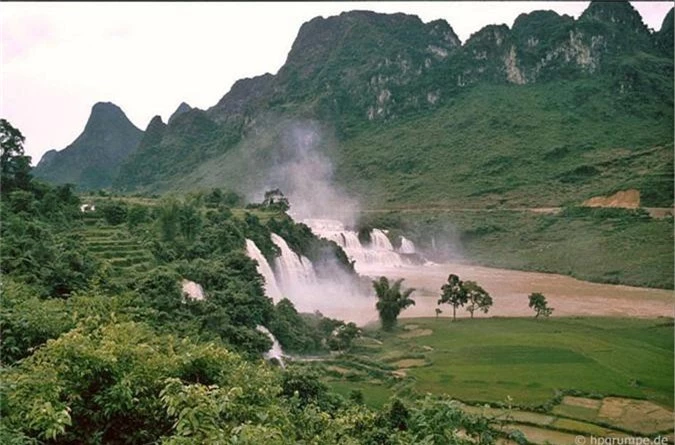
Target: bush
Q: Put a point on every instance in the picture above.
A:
(114, 212)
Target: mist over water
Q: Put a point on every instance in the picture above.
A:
(304, 173)
(301, 169)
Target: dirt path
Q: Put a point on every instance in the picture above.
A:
(654, 212)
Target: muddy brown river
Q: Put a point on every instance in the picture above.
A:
(509, 290)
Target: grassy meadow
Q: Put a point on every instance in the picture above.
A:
(529, 361)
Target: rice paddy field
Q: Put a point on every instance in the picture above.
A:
(551, 379)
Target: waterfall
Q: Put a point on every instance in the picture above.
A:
(264, 269)
(407, 246)
(378, 252)
(294, 270)
(275, 351)
(380, 240)
(194, 291)
(339, 295)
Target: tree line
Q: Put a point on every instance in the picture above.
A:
(392, 299)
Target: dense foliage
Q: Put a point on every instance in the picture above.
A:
(123, 383)
(97, 350)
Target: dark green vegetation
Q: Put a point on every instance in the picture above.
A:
(532, 361)
(596, 244)
(391, 300)
(538, 303)
(100, 344)
(458, 293)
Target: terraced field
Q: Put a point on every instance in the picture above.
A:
(115, 246)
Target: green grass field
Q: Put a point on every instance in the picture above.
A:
(488, 360)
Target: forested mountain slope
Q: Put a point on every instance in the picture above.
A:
(553, 110)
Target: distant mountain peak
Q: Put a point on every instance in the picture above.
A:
(92, 160)
(620, 13)
(105, 106)
(153, 133)
(182, 108)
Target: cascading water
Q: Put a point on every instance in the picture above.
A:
(379, 252)
(294, 270)
(194, 291)
(407, 246)
(339, 295)
(264, 269)
(380, 240)
(275, 351)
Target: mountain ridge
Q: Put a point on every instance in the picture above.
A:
(360, 74)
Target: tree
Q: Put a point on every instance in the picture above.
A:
(477, 297)
(137, 215)
(15, 166)
(391, 300)
(540, 305)
(342, 337)
(453, 294)
(168, 219)
(114, 212)
(275, 199)
(189, 221)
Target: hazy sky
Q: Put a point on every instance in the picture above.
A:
(58, 59)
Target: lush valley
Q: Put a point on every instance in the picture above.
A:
(160, 287)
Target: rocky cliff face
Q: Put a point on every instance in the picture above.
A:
(93, 159)
(362, 68)
(372, 66)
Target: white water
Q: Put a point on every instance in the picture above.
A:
(293, 270)
(294, 277)
(275, 351)
(378, 253)
(340, 298)
(194, 291)
(407, 246)
(264, 269)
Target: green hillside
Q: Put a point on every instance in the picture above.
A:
(398, 114)
(551, 112)
(513, 146)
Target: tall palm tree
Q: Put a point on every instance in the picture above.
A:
(391, 300)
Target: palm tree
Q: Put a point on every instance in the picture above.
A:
(391, 300)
